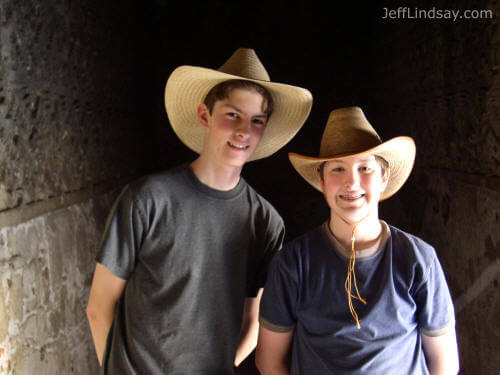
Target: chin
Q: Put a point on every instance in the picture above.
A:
(237, 163)
(354, 216)
(238, 160)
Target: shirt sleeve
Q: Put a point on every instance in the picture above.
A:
(122, 236)
(279, 301)
(273, 240)
(435, 312)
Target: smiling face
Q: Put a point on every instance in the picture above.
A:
(352, 186)
(234, 127)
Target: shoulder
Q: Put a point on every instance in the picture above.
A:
(302, 258)
(307, 240)
(412, 253)
(300, 250)
(404, 240)
(256, 197)
(160, 181)
(260, 205)
(153, 192)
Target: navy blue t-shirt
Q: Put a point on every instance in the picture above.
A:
(406, 295)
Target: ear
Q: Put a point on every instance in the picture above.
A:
(203, 115)
(385, 178)
(321, 182)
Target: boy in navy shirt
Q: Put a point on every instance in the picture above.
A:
(356, 295)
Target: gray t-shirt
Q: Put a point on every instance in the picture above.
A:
(190, 255)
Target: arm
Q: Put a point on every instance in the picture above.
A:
(441, 353)
(105, 291)
(272, 352)
(249, 329)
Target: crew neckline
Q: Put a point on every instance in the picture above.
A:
(214, 193)
(360, 254)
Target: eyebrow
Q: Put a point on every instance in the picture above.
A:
(237, 109)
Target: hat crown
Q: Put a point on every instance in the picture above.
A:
(244, 62)
(347, 132)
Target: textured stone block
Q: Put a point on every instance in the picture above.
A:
(45, 284)
(68, 113)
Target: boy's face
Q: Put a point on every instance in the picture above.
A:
(352, 186)
(234, 128)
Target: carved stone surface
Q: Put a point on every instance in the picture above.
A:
(46, 267)
(65, 96)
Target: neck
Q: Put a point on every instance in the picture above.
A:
(217, 177)
(367, 231)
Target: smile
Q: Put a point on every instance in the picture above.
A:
(351, 197)
(239, 147)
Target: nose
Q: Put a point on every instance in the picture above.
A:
(243, 128)
(352, 179)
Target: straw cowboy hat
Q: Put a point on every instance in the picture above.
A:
(349, 133)
(187, 87)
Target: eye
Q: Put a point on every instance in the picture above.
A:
(336, 169)
(232, 115)
(366, 169)
(259, 122)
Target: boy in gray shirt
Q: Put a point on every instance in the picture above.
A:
(185, 252)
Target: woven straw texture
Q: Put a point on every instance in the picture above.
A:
(187, 87)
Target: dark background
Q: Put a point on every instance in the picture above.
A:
(326, 48)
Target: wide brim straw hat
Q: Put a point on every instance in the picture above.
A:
(348, 133)
(188, 86)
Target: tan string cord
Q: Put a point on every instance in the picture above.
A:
(351, 274)
(351, 278)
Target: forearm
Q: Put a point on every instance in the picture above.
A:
(99, 327)
(247, 343)
(249, 330)
(105, 291)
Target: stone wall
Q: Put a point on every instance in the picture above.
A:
(46, 266)
(69, 138)
(67, 99)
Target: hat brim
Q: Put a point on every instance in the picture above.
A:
(188, 86)
(399, 152)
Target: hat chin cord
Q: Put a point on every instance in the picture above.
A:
(351, 275)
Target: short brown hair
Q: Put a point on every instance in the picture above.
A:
(222, 91)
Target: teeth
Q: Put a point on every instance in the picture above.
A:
(352, 196)
(241, 147)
